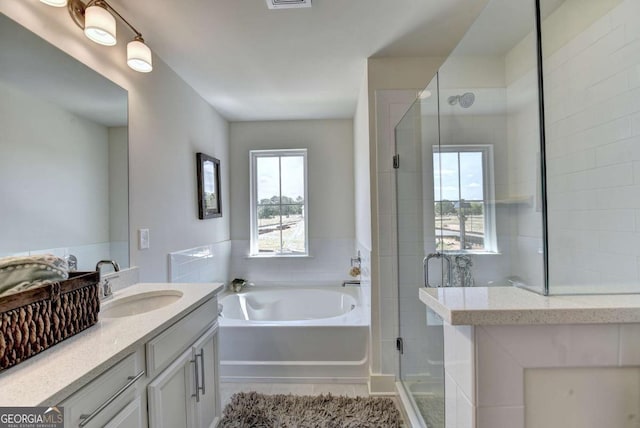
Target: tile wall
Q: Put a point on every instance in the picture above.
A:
(486, 366)
(208, 263)
(592, 85)
(328, 263)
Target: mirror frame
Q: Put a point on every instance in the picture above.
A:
(205, 212)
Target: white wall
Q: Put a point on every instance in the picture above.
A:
(54, 170)
(329, 145)
(362, 190)
(407, 75)
(361, 168)
(168, 123)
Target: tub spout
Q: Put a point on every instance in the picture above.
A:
(355, 282)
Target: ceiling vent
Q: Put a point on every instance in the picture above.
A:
(288, 4)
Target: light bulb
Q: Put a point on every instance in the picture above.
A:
(139, 56)
(100, 25)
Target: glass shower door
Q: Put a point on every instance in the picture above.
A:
(421, 332)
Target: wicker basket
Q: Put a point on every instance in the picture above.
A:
(36, 319)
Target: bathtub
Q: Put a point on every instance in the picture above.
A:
(294, 334)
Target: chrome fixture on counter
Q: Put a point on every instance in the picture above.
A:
(106, 284)
(72, 262)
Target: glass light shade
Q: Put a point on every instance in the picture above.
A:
(100, 25)
(55, 3)
(139, 56)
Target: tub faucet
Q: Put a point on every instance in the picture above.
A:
(355, 282)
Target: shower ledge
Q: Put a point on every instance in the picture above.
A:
(516, 306)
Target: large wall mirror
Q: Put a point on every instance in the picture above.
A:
(63, 154)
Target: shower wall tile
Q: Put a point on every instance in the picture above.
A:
(592, 87)
(390, 107)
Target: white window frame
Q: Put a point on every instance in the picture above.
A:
(490, 240)
(253, 204)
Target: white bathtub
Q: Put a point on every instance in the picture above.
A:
(294, 334)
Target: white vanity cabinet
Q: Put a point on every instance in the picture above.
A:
(116, 398)
(171, 403)
(132, 416)
(186, 393)
(207, 409)
(171, 381)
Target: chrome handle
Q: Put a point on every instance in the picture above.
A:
(425, 269)
(202, 369)
(195, 375)
(85, 419)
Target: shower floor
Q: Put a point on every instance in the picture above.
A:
(428, 400)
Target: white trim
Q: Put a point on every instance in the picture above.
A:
(408, 407)
(488, 182)
(253, 194)
(382, 384)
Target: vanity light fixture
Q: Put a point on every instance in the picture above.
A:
(55, 3)
(99, 24)
(97, 20)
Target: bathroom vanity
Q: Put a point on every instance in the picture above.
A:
(151, 360)
(513, 358)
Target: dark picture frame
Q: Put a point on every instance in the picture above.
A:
(209, 198)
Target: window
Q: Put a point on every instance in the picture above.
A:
(463, 195)
(279, 203)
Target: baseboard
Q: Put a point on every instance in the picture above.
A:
(382, 384)
(290, 379)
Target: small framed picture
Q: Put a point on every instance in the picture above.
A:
(209, 200)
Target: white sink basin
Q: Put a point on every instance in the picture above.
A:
(139, 303)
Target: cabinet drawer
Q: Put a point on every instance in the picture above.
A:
(169, 344)
(89, 399)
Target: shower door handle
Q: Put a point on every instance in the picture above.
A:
(425, 269)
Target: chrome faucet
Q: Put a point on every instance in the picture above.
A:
(355, 282)
(72, 262)
(106, 285)
(425, 268)
(113, 263)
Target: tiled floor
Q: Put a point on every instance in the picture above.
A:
(348, 389)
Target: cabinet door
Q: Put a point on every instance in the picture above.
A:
(132, 416)
(208, 406)
(170, 395)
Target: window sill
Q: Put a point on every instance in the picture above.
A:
(472, 253)
(279, 256)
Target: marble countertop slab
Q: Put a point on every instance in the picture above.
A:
(54, 374)
(517, 306)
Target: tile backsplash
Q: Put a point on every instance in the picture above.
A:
(208, 263)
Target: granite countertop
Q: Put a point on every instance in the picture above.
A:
(54, 374)
(517, 306)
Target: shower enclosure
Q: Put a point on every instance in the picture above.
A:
(519, 165)
(468, 187)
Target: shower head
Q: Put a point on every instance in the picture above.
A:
(465, 100)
